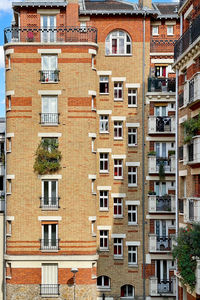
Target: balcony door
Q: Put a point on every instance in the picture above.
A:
(161, 150)
(160, 111)
(50, 236)
(49, 65)
(49, 279)
(48, 33)
(50, 193)
(161, 228)
(162, 270)
(160, 188)
(49, 110)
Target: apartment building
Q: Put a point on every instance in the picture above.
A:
(80, 222)
(187, 65)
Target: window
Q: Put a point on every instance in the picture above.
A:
(132, 97)
(49, 284)
(132, 137)
(104, 162)
(103, 200)
(118, 42)
(50, 144)
(49, 71)
(118, 168)
(48, 33)
(118, 91)
(103, 240)
(132, 214)
(49, 237)
(104, 85)
(103, 124)
(127, 292)
(7, 61)
(170, 30)
(160, 71)
(118, 208)
(132, 176)
(118, 247)
(49, 114)
(49, 194)
(155, 30)
(9, 145)
(132, 255)
(118, 130)
(103, 282)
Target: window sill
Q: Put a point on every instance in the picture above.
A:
(103, 94)
(103, 172)
(132, 224)
(49, 251)
(132, 265)
(118, 217)
(118, 178)
(103, 209)
(50, 82)
(103, 250)
(118, 257)
(124, 54)
(106, 132)
(103, 289)
(155, 34)
(134, 145)
(132, 185)
(118, 100)
(170, 34)
(49, 208)
(131, 106)
(50, 296)
(49, 125)
(118, 138)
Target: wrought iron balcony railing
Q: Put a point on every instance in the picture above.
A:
(49, 76)
(49, 118)
(163, 243)
(188, 38)
(49, 244)
(165, 162)
(49, 289)
(165, 286)
(161, 84)
(163, 203)
(49, 202)
(181, 100)
(62, 34)
(163, 124)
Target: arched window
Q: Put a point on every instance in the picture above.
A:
(103, 282)
(117, 43)
(127, 292)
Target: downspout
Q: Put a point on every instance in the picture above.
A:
(143, 161)
(177, 174)
(181, 25)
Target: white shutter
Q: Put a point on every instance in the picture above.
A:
(49, 274)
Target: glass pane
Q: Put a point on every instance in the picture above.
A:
(46, 235)
(53, 192)
(46, 192)
(45, 62)
(44, 19)
(121, 46)
(53, 235)
(114, 46)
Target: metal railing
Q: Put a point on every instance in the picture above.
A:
(161, 84)
(49, 118)
(180, 152)
(190, 152)
(50, 35)
(165, 162)
(188, 38)
(163, 124)
(49, 244)
(162, 45)
(49, 76)
(163, 203)
(49, 289)
(163, 243)
(165, 286)
(49, 202)
(181, 100)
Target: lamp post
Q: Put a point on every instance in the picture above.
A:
(74, 271)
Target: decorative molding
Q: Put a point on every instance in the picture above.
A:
(104, 112)
(130, 243)
(104, 73)
(104, 150)
(49, 134)
(133, 85)
(133, 202)
(104, 227)
(49, 92)
(118, 156)
(118, 78)
(118, 118)
(56, 176)
(133, 164)
(49, 218)
(48, 11)
(118, 235)
(104, 188)
(132, 124)
(118, 195)
(49, 51)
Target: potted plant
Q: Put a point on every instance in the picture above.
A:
(171, 152)
(151, 193)
(152, 153)
(161, 170)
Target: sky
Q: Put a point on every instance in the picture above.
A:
(5, 21)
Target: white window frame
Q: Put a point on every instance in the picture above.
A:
(118, 35)
(117, 202)
(170, 30)
(128, 297)
(103, 196)
(8, 67)
(104, 287)
(118, 243)
(132, 174)
(104, 79)
(131, 212)
(155, 30)
(132, 94)
(48, 33)
(132, 252)
(103, 123)
(104, 235)
(50, 192)
(118, 86)
(49, 277)
(49, 237)
(54, 112)
(118, 164)
(132, 131)
(83, 26)
(118, 125)
(103, 160)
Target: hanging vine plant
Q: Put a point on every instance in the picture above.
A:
(48, 157)
(187, 251)
(192, 127)
(161, 170)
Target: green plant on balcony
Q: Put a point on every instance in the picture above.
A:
(161, 169)
(48, 157)
(187, 251)
(171, 152)
(151, 193)
(192, 127)
(152, 153)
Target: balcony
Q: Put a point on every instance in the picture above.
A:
(162, 45)
(50, 35)
(180, 153)
(161, 84)
(49, 76)
(194, 90)
(49, 203)
(191, 210)
(49, 289)
(194, 151)
(162, 287)
(155, 163)
(188, 38)
(49, 244)
(161, 125)
(49, 119)
(164, 204)
(160, 243)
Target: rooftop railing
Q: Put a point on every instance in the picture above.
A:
(50, 35)
(188, 38)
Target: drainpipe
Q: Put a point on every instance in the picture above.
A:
(143, 162)
(181, 24)
(5, 213)
(177, 174)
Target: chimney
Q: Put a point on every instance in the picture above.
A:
(145, 3)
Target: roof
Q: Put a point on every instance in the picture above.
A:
(40, 3)
(167, 10)
(108, 5)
